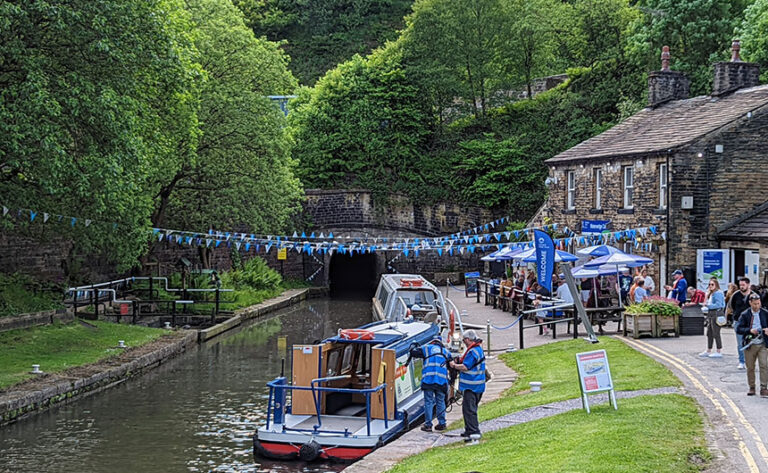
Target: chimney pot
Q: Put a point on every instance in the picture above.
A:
(665, 58)
(735, 48)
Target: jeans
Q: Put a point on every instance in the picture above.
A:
(469, 410)
(434, 399)
(739, 340)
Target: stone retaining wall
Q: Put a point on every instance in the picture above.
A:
(46, 317)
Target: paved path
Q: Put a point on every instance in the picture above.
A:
(739, 424)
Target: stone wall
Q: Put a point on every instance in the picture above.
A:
(724, 185)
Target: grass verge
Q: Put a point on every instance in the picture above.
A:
(58, 347)
(661, 434)
(554, 365)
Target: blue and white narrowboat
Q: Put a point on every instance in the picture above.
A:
(400, 296)
(348, 394)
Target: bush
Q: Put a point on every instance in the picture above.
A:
(254, 274)
(21, 294)
(657, 306)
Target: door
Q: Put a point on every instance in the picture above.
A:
(752, 266)
(383, 368)
(306, 367)
(714, 263)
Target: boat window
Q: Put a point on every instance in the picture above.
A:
(346, 362)
(362, 363)
(333, 363)
(383, 295)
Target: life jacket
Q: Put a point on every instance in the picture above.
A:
(474, 378)
(435, 370)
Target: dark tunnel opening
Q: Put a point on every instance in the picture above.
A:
(353, 276)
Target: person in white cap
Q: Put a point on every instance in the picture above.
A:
(471, 367)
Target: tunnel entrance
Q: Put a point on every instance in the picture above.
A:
(353, 275)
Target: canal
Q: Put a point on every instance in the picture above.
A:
(196, 413)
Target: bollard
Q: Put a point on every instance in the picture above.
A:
(121, 344)
(36, 369)
(488, 334)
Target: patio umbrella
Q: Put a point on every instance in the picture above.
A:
(504, 254)
(598, 250)
(529, 256)
(619, 259)
(604, 270)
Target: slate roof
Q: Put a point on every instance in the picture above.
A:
(668, 126)
(751, 226)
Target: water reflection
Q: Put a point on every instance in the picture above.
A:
(196, 413)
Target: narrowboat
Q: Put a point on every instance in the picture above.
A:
(349, 394)
(399, 296)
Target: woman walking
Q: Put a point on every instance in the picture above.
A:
(715, 305)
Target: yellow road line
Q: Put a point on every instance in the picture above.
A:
(742, 419)
(734, 431)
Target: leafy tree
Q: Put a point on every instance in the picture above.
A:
(319, 34)
(92, 94)
(242, 172)
(753, 32)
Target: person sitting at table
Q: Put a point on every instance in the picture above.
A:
(563, 292)
(506, 287)
(697, 297)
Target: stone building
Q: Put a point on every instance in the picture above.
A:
(686, 165)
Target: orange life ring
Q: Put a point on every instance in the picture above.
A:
(356, 334)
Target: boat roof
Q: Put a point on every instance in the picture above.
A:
(403, 282)
(395, 335)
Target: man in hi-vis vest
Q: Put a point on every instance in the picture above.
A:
(471, 367)
(434, 381)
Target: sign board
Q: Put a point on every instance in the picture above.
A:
(714, 263)
(282, 253)
(595, 226)
(470, 282)
(407, 377)
(594, 376)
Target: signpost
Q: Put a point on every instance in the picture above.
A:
(595, 226)
(714, 263)
(282, 255)
(594, 376)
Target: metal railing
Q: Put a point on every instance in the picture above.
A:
(316, 399)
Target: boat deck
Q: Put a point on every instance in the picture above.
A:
(354, 425)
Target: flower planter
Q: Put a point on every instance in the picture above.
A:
(651, 324)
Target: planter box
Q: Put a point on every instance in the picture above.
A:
(650, 324)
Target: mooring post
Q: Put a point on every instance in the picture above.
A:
(520, 329)
(488, 334)
(217, 301)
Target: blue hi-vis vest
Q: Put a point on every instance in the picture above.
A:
(474, 378)
(435, 368)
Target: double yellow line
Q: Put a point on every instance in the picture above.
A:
(712, 393)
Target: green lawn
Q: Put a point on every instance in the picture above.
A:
(647, 434)
(554, 365)
(59, 346)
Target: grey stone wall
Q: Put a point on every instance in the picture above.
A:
(730, 76)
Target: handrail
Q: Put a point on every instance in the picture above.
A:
(315, 397)
(313, 388)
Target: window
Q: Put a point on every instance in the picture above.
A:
(597, 192)
(333, 363)
(629, 186)
(346, 362)
(570, 198)
(663, 186)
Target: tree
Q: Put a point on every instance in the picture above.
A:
(698, 32)
(92, 94)
(242, 172)
(753, 32)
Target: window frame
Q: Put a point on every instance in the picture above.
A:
(628, 190)
(570, 190)
(663, 186)
(597, 190)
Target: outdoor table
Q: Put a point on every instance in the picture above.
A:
(601, 315)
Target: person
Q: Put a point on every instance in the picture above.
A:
(563, 292)
(740, 303)
(640, 293)
(471, 368)
(434, 381)
(754, 322)
(650, 286)
(625, 283)
(506, 292)
(697, 297)
(632, 289)
(714, 307)
(732, 288)
(586, 289)
(679, 289)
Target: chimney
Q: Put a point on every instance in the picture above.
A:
(735, 74)
(665, 85)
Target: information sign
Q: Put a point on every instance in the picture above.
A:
(594, 376)
(282, 253)
(470, 282)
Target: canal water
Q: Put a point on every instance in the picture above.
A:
(196, 413)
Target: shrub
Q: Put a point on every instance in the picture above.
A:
(657, 306)
(254, 273)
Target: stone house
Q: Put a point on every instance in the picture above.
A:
(689, 166)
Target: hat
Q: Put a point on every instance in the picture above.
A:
(677, 271)
(561, 275)
(754, 296)
(470, 334)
